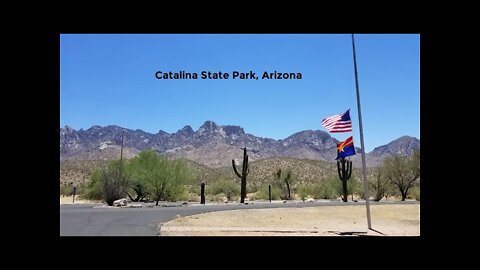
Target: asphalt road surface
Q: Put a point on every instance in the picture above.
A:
(85, 220)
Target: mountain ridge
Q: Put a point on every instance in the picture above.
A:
(213, 145)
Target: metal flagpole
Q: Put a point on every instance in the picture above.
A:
(364, 163)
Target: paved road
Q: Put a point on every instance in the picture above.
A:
(85, 220)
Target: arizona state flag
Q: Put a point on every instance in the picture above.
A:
(346, 148)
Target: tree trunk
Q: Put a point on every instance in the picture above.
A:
(345, 191)
(131, 198)
(109, 202)
(156, 204)
(404, 196)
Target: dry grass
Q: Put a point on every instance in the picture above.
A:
(392, 220)
(78, 200)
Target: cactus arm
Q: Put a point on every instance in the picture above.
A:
(338, 167)
(235, 169)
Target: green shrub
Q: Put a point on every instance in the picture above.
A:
(305, 191)
(227, 187)
(329, 188)
(113, 181)
(262, 193)
(414, 193)
(93, 189)
(187, 196)
(65, 190)
(251, 188)
(193, 197)
(81, 189)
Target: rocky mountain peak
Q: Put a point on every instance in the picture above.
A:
(314, 137)
(405, 139)
(186, 130)
(67, 129)
(161, 132)
(401, 146)
(233, 130)
(95, 127)
(209, 125)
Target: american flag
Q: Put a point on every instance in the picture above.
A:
(338, 122)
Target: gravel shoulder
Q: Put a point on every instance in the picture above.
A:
(389, 220)
(69, 200)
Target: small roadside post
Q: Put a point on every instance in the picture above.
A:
(74, 192)
(202, 193)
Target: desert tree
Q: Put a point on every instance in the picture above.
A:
(163, 179)
(285, 181)
(403, 171)
(137, 185)
(379, 184)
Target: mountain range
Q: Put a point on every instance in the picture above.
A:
(214, 145)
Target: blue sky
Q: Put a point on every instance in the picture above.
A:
(110, 80)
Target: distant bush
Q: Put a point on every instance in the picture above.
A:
(262, 193)
(93, 189)
(113, 181)
(415, 193)
(187, 196)
(251, 188)
(227, 187)
(81, 189)
(65, 190)
(303, 192)
(329, 188)
(193, 197)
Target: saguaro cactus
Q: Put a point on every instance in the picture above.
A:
(344, 173)
(243, 176)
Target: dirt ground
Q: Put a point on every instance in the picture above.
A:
(389, 220)
(78, 200)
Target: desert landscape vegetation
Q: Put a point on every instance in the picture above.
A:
(150, 174)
